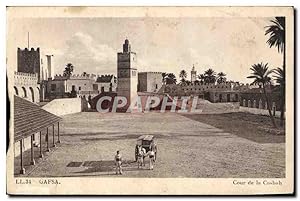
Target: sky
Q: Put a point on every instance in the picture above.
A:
(230, 45)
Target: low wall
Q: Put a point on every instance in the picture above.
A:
(259, 111)
(219, 108)
(65, 106)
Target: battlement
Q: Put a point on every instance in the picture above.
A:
(207, 84)
(25, 79)
(29, 50)
(26, 74)
(106, 75)
(104, 78)
(216, 85)
(231, 86)
(77, 76)
(151, 72)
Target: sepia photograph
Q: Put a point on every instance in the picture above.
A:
(169, 96)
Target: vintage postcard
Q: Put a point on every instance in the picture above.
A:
(150, 100)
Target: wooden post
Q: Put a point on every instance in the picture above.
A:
(47, 138)
(58, 141)
(32, 162)
(41, 151)
(22, 171)
(53, 135)
(274, 108)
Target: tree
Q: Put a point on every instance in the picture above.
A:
(280, 80)
(183, 76)
(164, 77)
(210, 76)
(201, 78)
(171, 79)
(261, 75)
(221, 78)
(68, 70)
(277, 39)
(168, 78)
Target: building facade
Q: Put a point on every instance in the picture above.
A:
(149, 81)
(82, 85)
(223, 92)
(26, 86)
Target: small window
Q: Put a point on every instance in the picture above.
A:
(95, 87)
(53, 87)
(79, 88)
(156, 86)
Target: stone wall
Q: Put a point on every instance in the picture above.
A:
(29, 61)
(258, 100)
(149, 81)
(64, 106)
(26, 86)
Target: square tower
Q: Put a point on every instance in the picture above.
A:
(127, 75)
(29, 61)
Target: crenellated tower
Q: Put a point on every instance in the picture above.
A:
(29, 61)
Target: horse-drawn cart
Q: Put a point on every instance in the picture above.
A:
(147, 142)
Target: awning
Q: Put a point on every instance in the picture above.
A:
(29, 118)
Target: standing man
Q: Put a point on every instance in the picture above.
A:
(151, 159)
(118, 163)
(153, 147)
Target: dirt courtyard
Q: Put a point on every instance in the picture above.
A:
(187, 147)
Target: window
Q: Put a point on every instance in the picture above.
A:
(79, 88)
(95, 87)
(53, 87)
(155, 86)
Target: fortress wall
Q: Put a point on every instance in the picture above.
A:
(64, 106)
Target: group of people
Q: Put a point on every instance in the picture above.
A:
(141, 155)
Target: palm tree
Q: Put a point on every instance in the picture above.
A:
(221, 78)
(260, 74)
(164, 77)
(183, 76)
(171, 78)
(280, 80)
(210, 76)
(277, 39)
(68, 70)
(201, 78)
(277, 35)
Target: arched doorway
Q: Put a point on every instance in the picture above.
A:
(16, 91)
(24, 92)
(32, 94)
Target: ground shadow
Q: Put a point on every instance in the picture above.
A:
(253, 127)
(102, 166)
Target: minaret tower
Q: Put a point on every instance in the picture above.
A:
(127, 74)
(193, 74)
